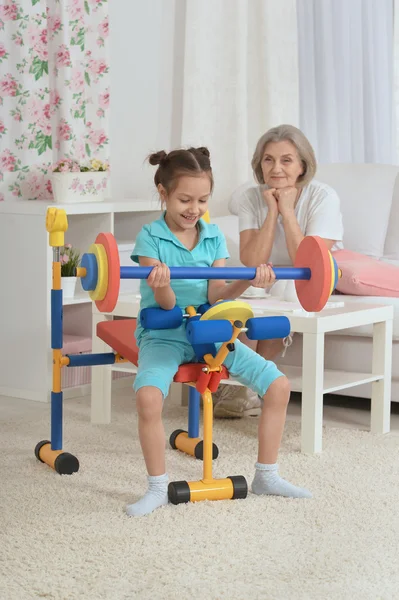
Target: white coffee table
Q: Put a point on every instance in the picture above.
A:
(312, 379)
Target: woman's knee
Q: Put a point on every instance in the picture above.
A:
(279, 391)
(270, 349)
(149, 401)
(253, 344)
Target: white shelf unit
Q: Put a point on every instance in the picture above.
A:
(26, 272)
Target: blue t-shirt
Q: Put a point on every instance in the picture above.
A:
(157, 241)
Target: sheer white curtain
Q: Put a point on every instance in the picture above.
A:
(240, 78)
(396, 77)
(346, 79)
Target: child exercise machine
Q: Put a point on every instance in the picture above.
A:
(315, 274)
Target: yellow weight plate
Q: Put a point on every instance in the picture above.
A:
(206, 217)
(102, 264)
(233, 310)
(332, 274)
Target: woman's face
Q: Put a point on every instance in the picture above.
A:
(281, 165)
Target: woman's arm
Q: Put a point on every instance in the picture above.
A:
(256, 244)
(218, 289)
(293, 234)
(159, 282)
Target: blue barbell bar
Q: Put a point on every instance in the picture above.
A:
(303, 273)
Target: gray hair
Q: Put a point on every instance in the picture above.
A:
(291, 134)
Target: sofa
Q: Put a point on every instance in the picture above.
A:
(369, 195)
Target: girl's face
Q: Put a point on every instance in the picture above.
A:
(188, 202)
(281, 165)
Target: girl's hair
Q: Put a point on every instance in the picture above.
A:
(291, 134)
(172, 166)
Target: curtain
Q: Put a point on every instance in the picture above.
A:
(346, 79)
(240, 78)
(396, 79)
(54, 90)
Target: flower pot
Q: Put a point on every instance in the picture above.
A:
(69, 286)
(79, 187)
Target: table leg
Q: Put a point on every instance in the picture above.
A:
(101, 378)
(381, 389)
(312, 392)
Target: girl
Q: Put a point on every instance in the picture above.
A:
(181, 238)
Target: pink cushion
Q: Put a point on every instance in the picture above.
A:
(365, 276)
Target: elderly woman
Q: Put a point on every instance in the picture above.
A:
(274, 217)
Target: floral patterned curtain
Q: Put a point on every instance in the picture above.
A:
(54, 90)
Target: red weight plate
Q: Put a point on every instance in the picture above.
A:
(314, 254)
(114, 272)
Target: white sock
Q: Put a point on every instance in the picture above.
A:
(155, 496)
(268, 481)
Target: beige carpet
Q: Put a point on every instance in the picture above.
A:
(68, 537)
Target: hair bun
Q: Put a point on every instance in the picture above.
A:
(157, 157)
(204, 151)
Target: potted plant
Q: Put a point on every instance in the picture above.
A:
(79, 182)
(70, 260)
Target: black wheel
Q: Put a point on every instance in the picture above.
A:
(178, 492)
(173, 436)
(240, 487)
(66, 464)
(38, 447)
(199, 451)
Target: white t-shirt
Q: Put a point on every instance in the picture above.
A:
(317, 211)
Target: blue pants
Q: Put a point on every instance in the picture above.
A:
(159, 360)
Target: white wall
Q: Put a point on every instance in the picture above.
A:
(235, 65)
(146, 38)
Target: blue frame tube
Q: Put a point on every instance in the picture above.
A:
(56, 420)
(56, 411)
(231, 273)
(56, 319)
(91, 360)
(193, 411)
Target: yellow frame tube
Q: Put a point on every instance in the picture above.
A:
(217, 489)
(215, 362)
(208, 431)
(186, 444)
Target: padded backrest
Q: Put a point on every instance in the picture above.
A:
(391, 250)
(119, 335)
(365, 191)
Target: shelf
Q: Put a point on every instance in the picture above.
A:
(83, 299)
(39, 207)
(333, 380)
(126, 367)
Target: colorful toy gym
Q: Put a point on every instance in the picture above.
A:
(315, 273)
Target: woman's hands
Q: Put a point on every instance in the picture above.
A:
(159, 277)
(264, 277)
(281, 200)
(271, 200)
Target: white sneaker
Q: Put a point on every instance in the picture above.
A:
(235, 402)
